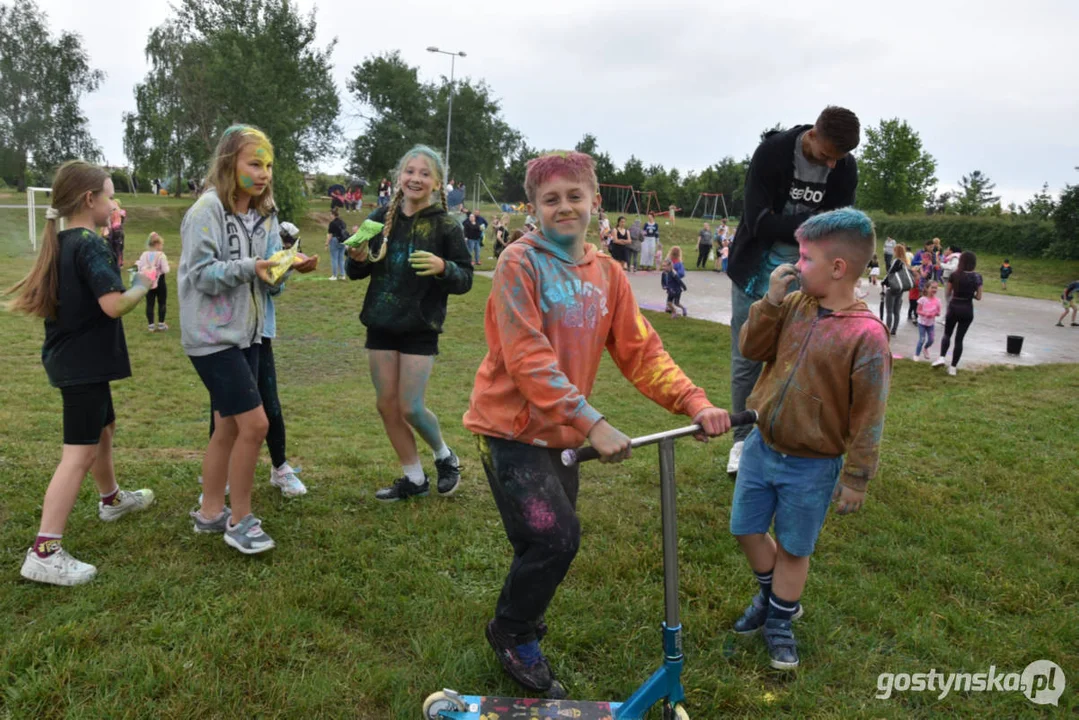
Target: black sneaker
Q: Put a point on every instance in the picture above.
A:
(449, 474)
(782, 647)
(753, 618)
(522, 661)
(403, 489)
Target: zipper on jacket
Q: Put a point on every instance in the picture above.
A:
(797, 362)
(251, 285)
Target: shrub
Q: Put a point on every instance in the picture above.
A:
(1005, 235)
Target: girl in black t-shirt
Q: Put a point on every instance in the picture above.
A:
(75, 287)
(336, 234)
(964, 287)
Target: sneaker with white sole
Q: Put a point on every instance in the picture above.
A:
(248, 536)
(126, 502)
(735, 457)
(218, 525)
(287, 479)
(162, 327)
(56, 569)
(951, 369)
(915, 358)
(939, 361)
(756, 614)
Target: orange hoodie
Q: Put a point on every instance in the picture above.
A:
(547, 322)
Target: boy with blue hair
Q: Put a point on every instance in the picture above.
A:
(821, 397)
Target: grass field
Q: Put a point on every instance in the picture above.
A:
(964, 557)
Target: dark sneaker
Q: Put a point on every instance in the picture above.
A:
(449, 474)
(522, 661)
(403, 489)
(753, 618)
(782, 648)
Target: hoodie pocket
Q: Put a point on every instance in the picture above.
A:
(798, 425)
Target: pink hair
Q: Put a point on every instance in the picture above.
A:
(573, 165)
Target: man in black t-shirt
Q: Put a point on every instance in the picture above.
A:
(793, 175)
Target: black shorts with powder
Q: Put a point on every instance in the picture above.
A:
(231, 377)
(410, 343)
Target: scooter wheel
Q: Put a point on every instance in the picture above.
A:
(678, 712)
(439, 701)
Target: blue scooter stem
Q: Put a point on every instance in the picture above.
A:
(580, 455)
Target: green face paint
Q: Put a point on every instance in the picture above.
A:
(246, 181)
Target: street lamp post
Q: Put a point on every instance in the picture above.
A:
(449, 114)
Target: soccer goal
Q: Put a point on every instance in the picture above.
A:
(620, 199)
(709, 203)
(31, 207)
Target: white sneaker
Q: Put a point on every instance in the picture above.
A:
(735, 457)
(287, 479)
(916, 358)
(126, 502)
(57, 569)
(951, 369)
(939, 361)
(333, 277)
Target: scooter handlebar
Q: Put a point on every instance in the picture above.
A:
(580, 455)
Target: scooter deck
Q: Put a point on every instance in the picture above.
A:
(499, 708)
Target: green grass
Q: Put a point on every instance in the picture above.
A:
(964, 556)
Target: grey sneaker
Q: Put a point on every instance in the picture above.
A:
(248, 536)
(126, 502)
(753, 618)
(782, 647)
(217, 525)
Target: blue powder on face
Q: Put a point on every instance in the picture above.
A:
(558, 238)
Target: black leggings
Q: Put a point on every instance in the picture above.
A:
(893, 305)
(912, 310)
(702, 255)
(160, 294)
(537, 498)
(267, 380)
(961, 314)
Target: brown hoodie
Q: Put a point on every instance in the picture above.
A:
(824, 388)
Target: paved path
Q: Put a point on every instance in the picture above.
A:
(995, 317)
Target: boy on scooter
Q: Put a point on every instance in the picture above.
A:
(555, 304)
(821, 396)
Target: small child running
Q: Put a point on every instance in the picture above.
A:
(929, 309)
(674, 286)
(1005, 273)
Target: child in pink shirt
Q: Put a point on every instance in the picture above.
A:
(153, 261)
(928, 310)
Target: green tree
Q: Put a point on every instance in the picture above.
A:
(1066, 222)
(216, 63)
(976, 194)
(942, 204)
(513, 176)
(1041, 206)
(606, 170)
(403, 111)
(632, 173)
(894, 173)
(42, 80)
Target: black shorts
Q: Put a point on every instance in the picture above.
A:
(87, 411)
(231, 376)
(424, 342)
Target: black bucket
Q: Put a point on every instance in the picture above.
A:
(1015, 344)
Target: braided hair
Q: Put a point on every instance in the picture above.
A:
(391, 214)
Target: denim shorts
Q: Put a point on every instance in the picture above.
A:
(795, 491)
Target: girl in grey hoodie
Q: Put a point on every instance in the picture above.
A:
(223, 280)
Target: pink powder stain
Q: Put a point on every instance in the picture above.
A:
(539, 514)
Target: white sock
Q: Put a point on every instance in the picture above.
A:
(414, 473)
(443, 452)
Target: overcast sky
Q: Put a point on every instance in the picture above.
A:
(988, 85)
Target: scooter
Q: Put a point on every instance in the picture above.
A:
(665, 685)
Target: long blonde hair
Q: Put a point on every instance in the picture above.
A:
(222, 173)
(900, 253)
(38, 292)
(438, 168)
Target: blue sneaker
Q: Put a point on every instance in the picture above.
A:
(524, 662)
(753, 618)
(782, 647)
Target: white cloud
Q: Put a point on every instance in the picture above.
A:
(989, 85)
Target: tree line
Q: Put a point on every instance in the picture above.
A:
(214, 63)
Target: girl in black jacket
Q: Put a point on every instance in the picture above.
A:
(417, 261)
